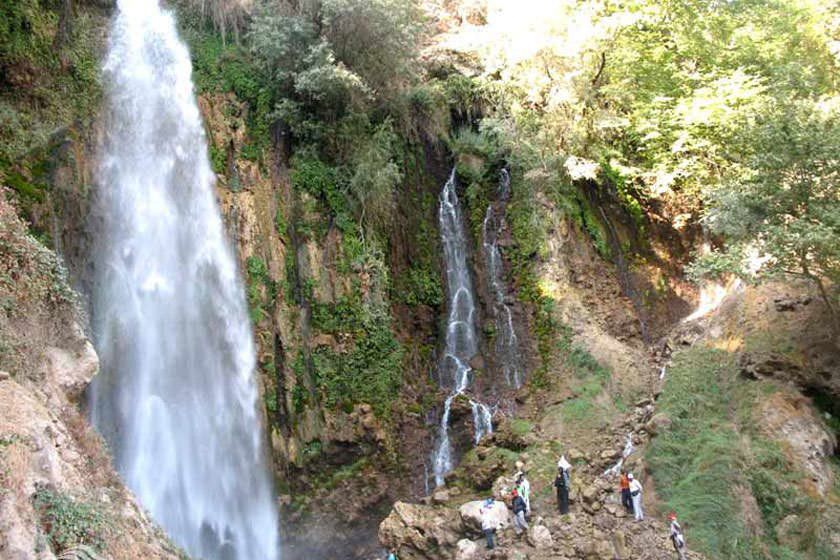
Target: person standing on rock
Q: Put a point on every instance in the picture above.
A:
(489, 523)
(624, 487)
(677, 537)
(636, 495)
(563, 484)
(519, 523)
(524, 488)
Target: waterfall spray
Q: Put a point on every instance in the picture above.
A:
(176, 398)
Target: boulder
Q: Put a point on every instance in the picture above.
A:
(659, 423)
(619, 540)
(591, 493)
(71, 371)
(467, 550)
(502, 487)
(540, 537)
(421, 532)
(471, 515)
(440, 497)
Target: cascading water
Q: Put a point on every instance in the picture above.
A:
(506, 341)
(628, 449)
(176, 398)
(461, 342)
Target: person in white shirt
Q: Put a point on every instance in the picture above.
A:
(636, 496)
(489, 522)
(524, 490)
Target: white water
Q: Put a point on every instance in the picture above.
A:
(506, 341)
(176, 398)
(461, 342)
(712, 295)
(628, 449)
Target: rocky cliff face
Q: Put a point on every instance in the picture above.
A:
(57, 486)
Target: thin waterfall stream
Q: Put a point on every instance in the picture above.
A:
(461, 343)
(176, 398)
(506, 341)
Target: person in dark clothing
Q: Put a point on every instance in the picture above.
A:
(519, 508)
(562, 483)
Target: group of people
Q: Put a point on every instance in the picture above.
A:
(631, 495)
(631, 498)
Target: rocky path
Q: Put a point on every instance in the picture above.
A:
(446, 525)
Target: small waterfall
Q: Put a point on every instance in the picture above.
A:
(461, 343)
(176, 398)
(482, 420)
(506, 341)
(628, 449)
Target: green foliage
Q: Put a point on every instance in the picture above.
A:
(376, 174)
(69, 522)
(520, 427)
(48, 73)
(783, 201)
(371, 370)
(713, 446)
(261, 290)
(419, 286)
(218, 160)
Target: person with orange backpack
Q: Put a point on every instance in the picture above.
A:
(624, 487)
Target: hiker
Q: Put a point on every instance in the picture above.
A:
(562, 483)
(677, 537)
(524, 487)
(519, 523)
(392, 555)
(624, 486)
(489, 522)
(636, 495)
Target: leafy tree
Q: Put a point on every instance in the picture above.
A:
(782, 202)
(375, 177)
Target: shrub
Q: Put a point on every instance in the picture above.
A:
(68, 521)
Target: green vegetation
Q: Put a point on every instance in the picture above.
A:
(48, 72)
(713, 450)
(370, 370)
(782, 200)
(68, 521)
(261, 289)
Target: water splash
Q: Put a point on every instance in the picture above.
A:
(176, 398)
(628, 449)
(506, 341)
(482, 420)
(712, 295)
(461, 343)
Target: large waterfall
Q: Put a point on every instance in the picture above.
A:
(176, 399)
(461, 343)
(506, 340)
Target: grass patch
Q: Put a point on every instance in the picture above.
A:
(712, 448)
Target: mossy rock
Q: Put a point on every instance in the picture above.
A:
(480, 467)
(514, 434)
